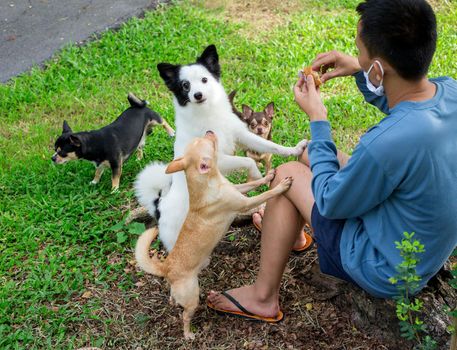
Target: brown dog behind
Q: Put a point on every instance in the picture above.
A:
(214, 203)
(259, 123)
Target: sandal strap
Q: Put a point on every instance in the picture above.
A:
(236, 303)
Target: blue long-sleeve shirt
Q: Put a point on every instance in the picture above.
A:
(402, 176)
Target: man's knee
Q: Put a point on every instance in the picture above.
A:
(289, 169)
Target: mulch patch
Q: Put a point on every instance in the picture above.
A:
(142, 318)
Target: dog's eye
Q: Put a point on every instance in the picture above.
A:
(252, 125)
(204, 80)
(265, 123)
(185, 86)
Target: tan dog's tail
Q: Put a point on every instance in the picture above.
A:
(149, 264)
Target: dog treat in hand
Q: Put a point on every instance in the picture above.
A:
(309, 71)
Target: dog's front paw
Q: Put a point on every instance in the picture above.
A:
(300, 148)
(285, 184)
(115, 189)
(94, 182)
(270, 176)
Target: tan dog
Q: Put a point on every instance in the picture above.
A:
(214, 203)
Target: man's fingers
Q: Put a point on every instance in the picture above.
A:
(322, 54)
(300, 82)
(310, 83)
(297, 89)
(327, 59)
(329, 75)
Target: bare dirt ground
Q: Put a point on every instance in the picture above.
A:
(261, 14)
(315, 318)
(144, 319)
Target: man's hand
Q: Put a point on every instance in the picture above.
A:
(309, 98)
(341, 64)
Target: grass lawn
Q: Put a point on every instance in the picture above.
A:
(66, 273)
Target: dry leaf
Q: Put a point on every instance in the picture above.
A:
(87, 295)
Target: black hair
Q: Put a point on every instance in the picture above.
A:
(403, 32)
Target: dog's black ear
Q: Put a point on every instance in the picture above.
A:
(270, 110)
(210, 59)
(65, 127)
(75, 140)
(169, 73)
(247, 112)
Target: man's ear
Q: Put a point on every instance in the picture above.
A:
(65, 127)
(75, 140)
(210, 59)
(247, 112)
(169, 73)
(205, 165)
(175, 165)
(270, 110)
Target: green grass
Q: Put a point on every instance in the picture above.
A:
(59, 236)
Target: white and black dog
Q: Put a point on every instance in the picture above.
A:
(201, 104)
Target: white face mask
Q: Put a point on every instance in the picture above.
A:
(379, 91)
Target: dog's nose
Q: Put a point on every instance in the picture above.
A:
(211, 135)
(259, 130)
(198, 96)
(54, 158)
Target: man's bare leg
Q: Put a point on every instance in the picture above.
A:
(284, 219)
(301, 239)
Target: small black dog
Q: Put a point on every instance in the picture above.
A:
(113, 144)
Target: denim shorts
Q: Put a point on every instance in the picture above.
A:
(327, 234)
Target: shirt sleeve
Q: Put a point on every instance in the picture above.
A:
(348, 192)
(375, 100)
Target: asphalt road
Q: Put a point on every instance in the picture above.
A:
(31, 31)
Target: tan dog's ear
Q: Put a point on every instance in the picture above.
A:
(177, 164)
(205, 165)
